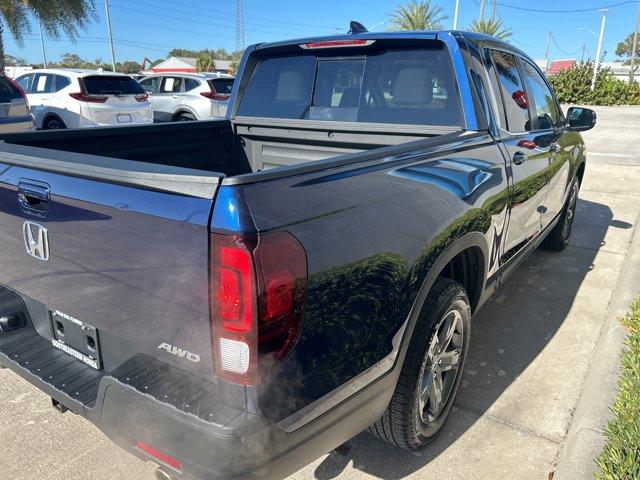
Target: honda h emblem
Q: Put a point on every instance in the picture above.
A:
(36, 240)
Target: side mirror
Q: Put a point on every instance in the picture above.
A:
(581, 119)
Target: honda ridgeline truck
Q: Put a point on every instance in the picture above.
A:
(234, 298)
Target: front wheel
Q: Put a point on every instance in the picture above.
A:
(558, 238)
(432, 369)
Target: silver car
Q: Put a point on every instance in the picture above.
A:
(183, 97)
(14, 108)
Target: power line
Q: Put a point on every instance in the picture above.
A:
(577, 10)
(561, 50)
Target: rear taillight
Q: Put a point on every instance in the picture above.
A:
(258, 295)
(142, 97)
(83, 97)
(215, 96)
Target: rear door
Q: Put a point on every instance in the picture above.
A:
(124, 102)
(169, 96)
(526, 150)
(39, 94)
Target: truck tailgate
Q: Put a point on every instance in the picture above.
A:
(126, 250)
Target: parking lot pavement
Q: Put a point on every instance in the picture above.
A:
(531, 348)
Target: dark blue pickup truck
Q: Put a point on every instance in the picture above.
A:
(234, 298)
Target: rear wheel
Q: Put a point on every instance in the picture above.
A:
(54, 124)
(185, 117)
(432, 369)
(558, 238)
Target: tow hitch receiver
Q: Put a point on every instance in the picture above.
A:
(58, 406)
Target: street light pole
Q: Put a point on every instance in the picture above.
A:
(584, 47)
(633, 46)
(455, 15)
(481, 10)
(113, 53)
(596, 64)
(44, 53)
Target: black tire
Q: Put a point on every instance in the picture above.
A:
(54, 124)
(185, 117)
(558, 238)
(404, 423)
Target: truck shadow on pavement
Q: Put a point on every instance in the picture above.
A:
(509, 333)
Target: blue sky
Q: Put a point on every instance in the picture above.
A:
(149, 28)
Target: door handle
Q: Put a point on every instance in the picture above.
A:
(519, 158)
(34, 198)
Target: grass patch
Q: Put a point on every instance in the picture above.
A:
(620, 458)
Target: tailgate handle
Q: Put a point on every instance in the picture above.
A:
(34, 198)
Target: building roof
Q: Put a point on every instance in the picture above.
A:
(558, 66)
(223, 64)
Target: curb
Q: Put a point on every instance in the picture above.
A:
(585, 439)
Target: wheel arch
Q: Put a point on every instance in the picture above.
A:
(50, 116)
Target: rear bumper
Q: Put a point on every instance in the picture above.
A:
(200, 424)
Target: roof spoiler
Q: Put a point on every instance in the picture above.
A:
(356, 27)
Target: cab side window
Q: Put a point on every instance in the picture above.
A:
(511, 88)
(61, 82)
(546, 107)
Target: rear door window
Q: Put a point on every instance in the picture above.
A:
(511, 87)
(413, 86)
(171, 85)
(42, 83)
(111, 85)
(8, 92)
(150, 84)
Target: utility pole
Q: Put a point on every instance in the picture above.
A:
(44, 53)
(493, 12)
(455, 15)
(239, 27)
(633, 47)
(113, 53)
(481, 10)
(596, 64)
(584, 47)
(546, 52)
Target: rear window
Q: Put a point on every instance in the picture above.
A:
(414, 87)
(7, 91)
(116, 85)
(222, 86)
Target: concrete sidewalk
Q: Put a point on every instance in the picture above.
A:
(531, 349)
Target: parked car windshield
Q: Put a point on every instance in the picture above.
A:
(111, 85)
(414, 86)
(222, 86)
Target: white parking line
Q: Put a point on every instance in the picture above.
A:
(616, 155)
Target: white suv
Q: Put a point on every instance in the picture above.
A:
(68, 98)
(188, 96)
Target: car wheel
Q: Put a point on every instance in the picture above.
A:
(54, 124)
(185, 117)
(558, 238)
(432, 369)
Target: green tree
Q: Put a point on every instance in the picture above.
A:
(206, 63)
(129, 66)
(72, 60)
(418, 15)
(492, 26)
(624, 49)
(55, 16)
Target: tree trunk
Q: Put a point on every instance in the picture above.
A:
(1, 48)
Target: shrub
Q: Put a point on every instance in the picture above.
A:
(574, 86)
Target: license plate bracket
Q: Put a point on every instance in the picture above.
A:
(123, 118)
(76, 338)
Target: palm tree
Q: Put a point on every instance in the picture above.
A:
(493, 27)
(55, 16)
(205, 63)
(418, 15)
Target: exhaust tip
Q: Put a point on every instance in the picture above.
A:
(162, 475)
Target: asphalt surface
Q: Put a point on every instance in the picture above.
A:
(531, 350)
